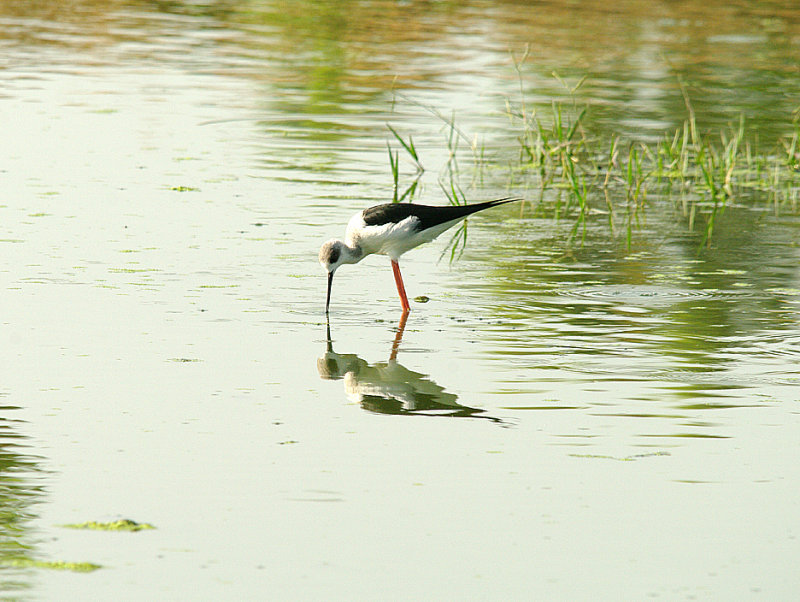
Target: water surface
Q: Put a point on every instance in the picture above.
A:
(569, 419)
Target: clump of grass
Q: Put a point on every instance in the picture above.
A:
(394, 163)
(448, 179)
(579, 175)
(707, 170)
(455, 139)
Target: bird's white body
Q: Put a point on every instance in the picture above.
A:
(392, 239)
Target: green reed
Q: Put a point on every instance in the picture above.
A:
(580, 175)
(394, 164)
(702, 171)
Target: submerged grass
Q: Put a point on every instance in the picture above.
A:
(578, 175)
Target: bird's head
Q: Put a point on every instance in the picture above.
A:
(333, 254)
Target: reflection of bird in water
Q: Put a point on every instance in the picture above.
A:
(392, 229)
(388, 387)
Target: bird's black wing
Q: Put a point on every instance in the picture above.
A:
(428, 215)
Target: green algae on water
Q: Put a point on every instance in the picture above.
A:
(56, 565)
(117, 525)
(621, 459)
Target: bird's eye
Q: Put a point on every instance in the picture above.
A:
(334, 256)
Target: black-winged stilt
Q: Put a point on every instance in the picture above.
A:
(392, 229)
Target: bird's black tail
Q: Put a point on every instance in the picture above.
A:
(475, 207)
(429, 216)
(432, 216)
(454, 212)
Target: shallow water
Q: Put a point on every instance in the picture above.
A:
(562, 420)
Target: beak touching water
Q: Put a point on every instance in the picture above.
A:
(330, 282)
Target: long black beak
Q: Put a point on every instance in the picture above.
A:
(328, 302)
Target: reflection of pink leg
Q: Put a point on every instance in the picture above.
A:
(398, 337)
(398, 279)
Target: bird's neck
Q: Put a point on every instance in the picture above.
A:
(353, 253)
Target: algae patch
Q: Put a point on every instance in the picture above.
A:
(56, 565)
(621, 459)
(117, 525)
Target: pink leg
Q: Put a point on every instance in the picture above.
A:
(398, 279)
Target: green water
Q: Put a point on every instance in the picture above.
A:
(612, 415)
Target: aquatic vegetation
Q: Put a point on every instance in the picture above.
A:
(623, 458)
(124, 524)
(701, 173)
(394, 162)
(58, 565)
(578, 175)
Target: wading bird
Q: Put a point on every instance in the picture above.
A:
(392, 229)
